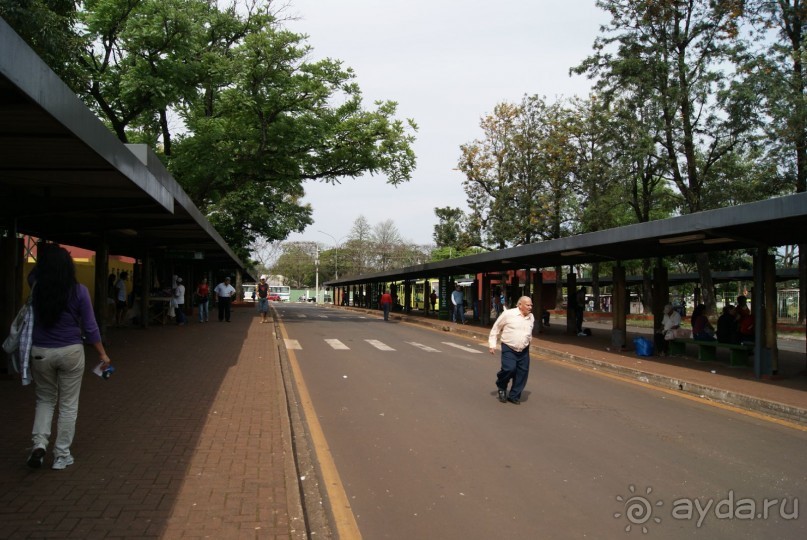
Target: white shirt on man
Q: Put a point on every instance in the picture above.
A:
(224, 290)
(515, 328)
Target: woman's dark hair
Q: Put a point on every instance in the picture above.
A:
(55, 276)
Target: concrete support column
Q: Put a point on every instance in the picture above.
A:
(485, 307)
(146, 279)
(661, 293)
(770, 312)
(475, 302)
(619, 332)
(100, 305)
(571, 290)
(538, 300)
(528, 284)
(513, 292)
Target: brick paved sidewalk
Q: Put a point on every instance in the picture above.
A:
(190, 438)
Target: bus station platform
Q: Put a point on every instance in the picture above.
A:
(189, 438)
(198, 433)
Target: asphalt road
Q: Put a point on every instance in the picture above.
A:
(425, 450)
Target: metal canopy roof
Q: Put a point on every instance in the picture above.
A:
(774, 222)
(65, 177)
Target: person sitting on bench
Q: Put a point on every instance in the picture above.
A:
(702, 329)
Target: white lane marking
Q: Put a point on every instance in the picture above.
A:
(293, 344)
(300, 315)
(378, 345)
(337, 345)
(323, 316)
(462, 347)
(422, 346)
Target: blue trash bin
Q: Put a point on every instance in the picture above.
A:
(644, 347)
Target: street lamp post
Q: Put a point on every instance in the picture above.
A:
(336, 257)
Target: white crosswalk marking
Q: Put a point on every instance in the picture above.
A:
(337, 345)
(378, 345)
(422, 346)
(462, 347)
(293, 344)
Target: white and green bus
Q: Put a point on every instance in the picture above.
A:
(281, 291)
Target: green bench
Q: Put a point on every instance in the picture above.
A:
(707, 350)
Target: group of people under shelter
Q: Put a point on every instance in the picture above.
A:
(734, 326)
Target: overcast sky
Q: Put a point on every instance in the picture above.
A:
(447, 63)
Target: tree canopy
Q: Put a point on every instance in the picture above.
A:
(228, 97)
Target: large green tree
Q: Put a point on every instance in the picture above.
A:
(676, 53)
(228, 97)
(297, 264)
(48, 26)
(776, 73)
(283, 121)
(517, 176)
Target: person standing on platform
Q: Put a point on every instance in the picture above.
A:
(120, 299)
(203, 293)
(515, 328)
(224, 297)
(579, 309)
(458, 301)
(179, 297)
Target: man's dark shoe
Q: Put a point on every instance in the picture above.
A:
(36, 458)
(514, 401)
(502, 396)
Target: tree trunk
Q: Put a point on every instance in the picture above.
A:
(707, 284)
(595, 284)
(647, 285)
(166, 132)
(559, 287)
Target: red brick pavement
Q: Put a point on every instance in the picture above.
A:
(190, 438)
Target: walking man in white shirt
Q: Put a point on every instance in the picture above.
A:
(515, 327)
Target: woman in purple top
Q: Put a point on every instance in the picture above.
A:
(61, 305)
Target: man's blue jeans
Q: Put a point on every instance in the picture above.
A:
(515, 366)
(459, 313)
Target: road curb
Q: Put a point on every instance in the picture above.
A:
(736, 399)
(310, 500)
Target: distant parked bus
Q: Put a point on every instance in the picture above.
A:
(282, 291)
(249, 291)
